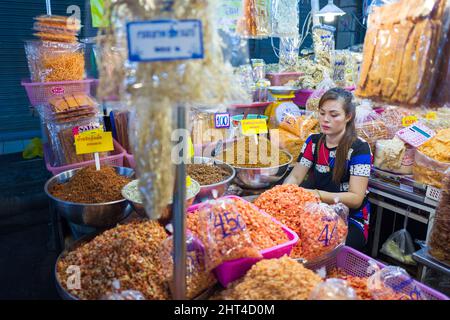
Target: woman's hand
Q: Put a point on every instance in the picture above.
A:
(297, 175)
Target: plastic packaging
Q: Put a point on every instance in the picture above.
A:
(389, 154)
(155, 89)
(313, 102)
(438, 242)
(285, 18)
(392, 118)
(394, 283)
(224, 233)
(323, 39)
(197, 278)
(400, 245)
(333, 289)
(322, 230)
(343, 68)
(401, 51)
(289, 47)
(120, 123)
(55, 61)
(369, 125)
(116, 294)
(441, 95)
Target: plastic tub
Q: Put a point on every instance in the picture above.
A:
(40, 92)
(254, 108)
(234, 269)
(356, 263)
(279, 79)
(115, 159)
(302, 96)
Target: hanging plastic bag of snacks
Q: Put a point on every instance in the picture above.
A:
(322, 230)
(289, 47)
(285, 18)
(313, 102)
(342, 66)
(224, 234)
(333, 289)
(197, 278)
(393, 283)
(323, 40)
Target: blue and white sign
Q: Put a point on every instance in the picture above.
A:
(222, 120)
(163, 40)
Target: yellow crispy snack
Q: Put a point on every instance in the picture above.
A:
(438, 147)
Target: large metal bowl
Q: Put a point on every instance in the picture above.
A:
(211, 191)
(99, 215)
(259, 178)
(138, 206)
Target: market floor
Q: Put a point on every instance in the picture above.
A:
(27, 247)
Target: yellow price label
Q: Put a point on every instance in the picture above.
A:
(191, 151)
(93, 141)
(253, 126)
(431, 115)
(188, 181)
(409, 120)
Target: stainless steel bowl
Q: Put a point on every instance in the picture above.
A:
(259, 178)
(138, 206)
(284, 90)
(217, 189)
(99, 215)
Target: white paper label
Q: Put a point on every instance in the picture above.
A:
(163, 40)
(222, 120)
(406, 188)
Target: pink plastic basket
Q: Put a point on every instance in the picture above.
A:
(235, 269)
(356, 263)
(40, 92)
(279, 79)
(302, 96)
(250, 108)
(113, 160)
(129, 161)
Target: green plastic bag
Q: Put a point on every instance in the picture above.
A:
(33, 149)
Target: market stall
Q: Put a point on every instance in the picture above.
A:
(161, 211)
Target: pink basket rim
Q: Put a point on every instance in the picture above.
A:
(28, 83)
(277, 74)
(294, 235)
(303, 91)
(117, 146)
(430, 291)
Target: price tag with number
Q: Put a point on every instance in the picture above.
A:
(409, 120)
(432, 115)
(253, 126)
(222, 120)
(93, 141)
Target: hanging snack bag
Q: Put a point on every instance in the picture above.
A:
(197, 278)
(323, 39)
(313, 102)
(224, 233)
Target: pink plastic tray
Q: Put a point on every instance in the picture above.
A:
(279, 79)
(356, 263)
(129, 161)
(232, 270)
(250, 108)
(40, 92)
(302, 96)
(114, 160)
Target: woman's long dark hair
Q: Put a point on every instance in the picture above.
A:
(345, 97)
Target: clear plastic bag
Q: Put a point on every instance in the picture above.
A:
(333, 289)
(322, 230)
(313, 102)
(289, 47)
(197, 278)
(55, 61)
(392, 117)
(255, 20)
(441, 95)
(285, 18)
(393, 283)
(369, 125)
(323, 39)
(120, 122)
(400, 245)
(439, 236)
(116, 294)
(389, 154)
(342, 68)
(401, 51)
(224, 234)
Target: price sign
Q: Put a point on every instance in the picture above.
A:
(165, 40)
(228, 224)
(409, 120)
(326, 236)
(253, 126)
(222, 120)
(93, 141)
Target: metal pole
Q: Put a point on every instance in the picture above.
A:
(315, 8)
(49, 7)
(179, 220)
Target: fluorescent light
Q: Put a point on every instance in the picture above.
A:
(330, 10)
(329, 18)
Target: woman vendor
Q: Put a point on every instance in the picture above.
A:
(338, 163)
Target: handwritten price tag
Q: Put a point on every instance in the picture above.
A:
(253, 126)
(228, 224)
(409, 120)
(93, 141)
